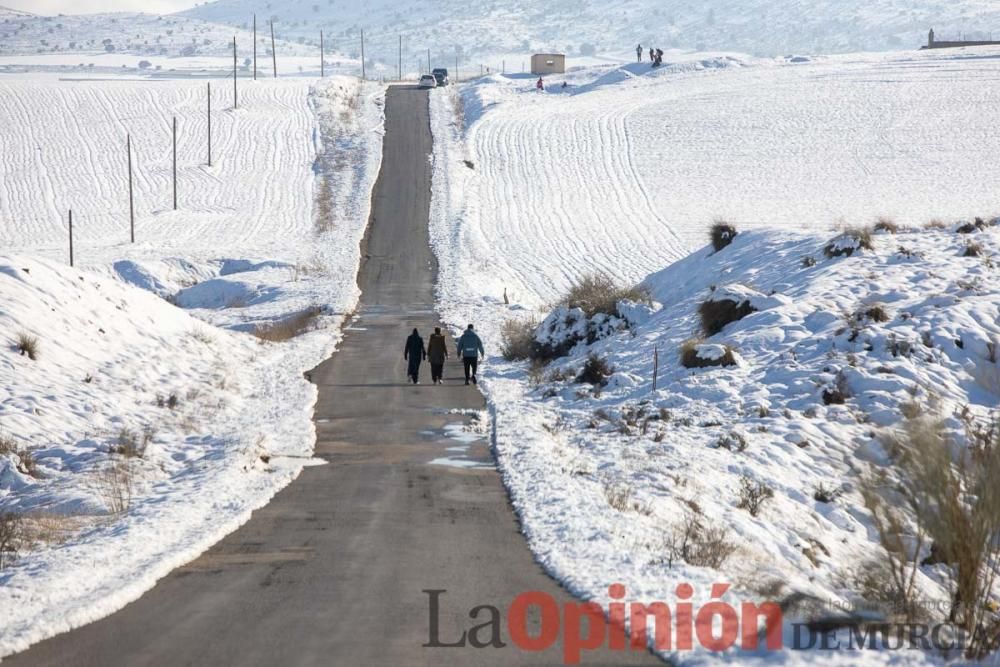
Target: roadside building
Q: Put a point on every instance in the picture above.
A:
(548, 63)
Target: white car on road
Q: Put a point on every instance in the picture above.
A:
(428, 81)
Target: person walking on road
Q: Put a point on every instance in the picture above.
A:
(437, 352)
(470, 348)
(414, 352)
(638, 53)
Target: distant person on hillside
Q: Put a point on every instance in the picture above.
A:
(414, 352)
(638, 53)
(540, 85)
(652, 54)
(437, 352)
(470, 349)
(659, 58)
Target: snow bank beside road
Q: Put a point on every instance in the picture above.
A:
(604, 479)
(223, 418)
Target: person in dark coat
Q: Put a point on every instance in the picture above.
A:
(414, 352)
(470, 349)
(437, 352)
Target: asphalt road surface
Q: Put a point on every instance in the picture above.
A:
(333, 571)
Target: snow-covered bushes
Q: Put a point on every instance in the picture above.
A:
(852, 240)
(596, 371)
(886, 225)
(696, 353)
(599, 294)
(723, 307)
(969, 227)
(722, 234)
(593, 309)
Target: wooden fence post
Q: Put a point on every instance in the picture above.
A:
(175, 162)
(363, 73)
(71, 237)
(131, 201)
(274, 52)
(322, 57)
(656, 365)
(209, 119)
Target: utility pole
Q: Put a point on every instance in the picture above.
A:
(209, 118)
(131, 205)
(456, 67)
(363, 73)
(400, 66)
(274, 52)
(235, 99)
(428, 60)
(175, 163)
(254, 47)
(322, 58)
(71, 237)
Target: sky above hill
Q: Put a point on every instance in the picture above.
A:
(96, 6)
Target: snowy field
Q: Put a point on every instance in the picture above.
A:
(203, 421)
(621, 172)
(759, 143)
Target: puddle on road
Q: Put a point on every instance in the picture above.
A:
(466, 435)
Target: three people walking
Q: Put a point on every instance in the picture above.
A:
(469, 349)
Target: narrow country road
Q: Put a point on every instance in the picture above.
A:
(333, 571)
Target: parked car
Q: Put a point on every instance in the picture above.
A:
(428, 81)
(441, 76)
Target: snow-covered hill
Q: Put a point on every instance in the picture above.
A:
(484, 30)
(127, 33)
(621, 173)
(130, 375)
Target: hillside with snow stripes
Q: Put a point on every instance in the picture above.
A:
(780, 422)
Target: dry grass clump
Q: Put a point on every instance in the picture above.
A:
(695, 544)
(886, 225)
(972, 249)
(936, 224)
(27, 345)
(595, 371)
(954, 501)
(753, 495)
(976, 225)
(115, 482)
(715, 315)
(722, 234)
(853, 238)
(517, 340)
(691, 359)
(288, 328)
(27, 464)
(131, 444)
(11, 537)
(598, 293)
(875, 312)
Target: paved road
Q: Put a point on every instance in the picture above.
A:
(332, 571)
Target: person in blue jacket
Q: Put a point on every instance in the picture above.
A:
(470, 349)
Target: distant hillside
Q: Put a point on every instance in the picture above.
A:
(138, 34)
(482, 28)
